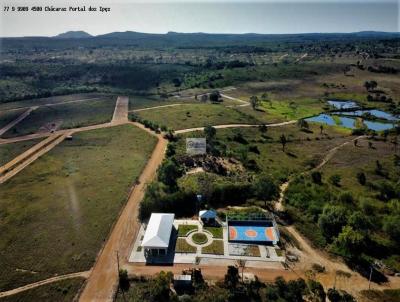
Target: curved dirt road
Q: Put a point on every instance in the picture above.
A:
(43, 282)
(235, 126)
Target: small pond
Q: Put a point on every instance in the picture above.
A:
(374, 112)
(346, 120)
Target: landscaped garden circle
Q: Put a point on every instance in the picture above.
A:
(199, 238)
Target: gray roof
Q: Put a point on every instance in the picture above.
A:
(158, 231)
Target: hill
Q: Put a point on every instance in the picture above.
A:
(73, 35)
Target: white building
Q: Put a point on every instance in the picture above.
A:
(158, 233)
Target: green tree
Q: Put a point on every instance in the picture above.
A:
(169, 172)
(335, 180)
(123, 279)
(362, 179)
(215, 96)
(339, 296)
(392, 226)
(231, 278)
(160, 286)
(317, 291)
(367, 85)
(265, 189)
(316, 176)
(210, 132)
(302, 123)
(255, 102)
(350, 242)
(331, 221)
(359, 221)
(283, 141)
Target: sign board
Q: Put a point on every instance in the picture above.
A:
(195, 146)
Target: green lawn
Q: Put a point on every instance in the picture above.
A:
(215, 231)
(184, 229)
(57, 212)
(8, 116)
(61, 291)
(216, 247)
(10, 151)
(183, 247)
(199, 238)
(196, 115)
(71, 115)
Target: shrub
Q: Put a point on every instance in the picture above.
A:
(316, 177)
(335, 180)
(361, 178)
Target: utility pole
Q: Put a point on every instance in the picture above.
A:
(369, 281)
(119, 283)
(334, 283)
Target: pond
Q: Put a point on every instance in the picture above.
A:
(345, 119)
(329, 120)
(374, 112)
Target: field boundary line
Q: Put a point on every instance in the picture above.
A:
(30, 156)
(14, 122)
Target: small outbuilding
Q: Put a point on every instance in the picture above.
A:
(158, 233)
(207, 216)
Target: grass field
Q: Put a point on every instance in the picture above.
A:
(216, 247)
(8, 116)
(71, 115)
(215, 231)
(183, 247)
(56, 214)
(184, 229)
(195, 115)
(303, 150)
(139, 102)
(10, 151)
(350, 160)
(61, 291)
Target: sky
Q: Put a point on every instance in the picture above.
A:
(212, 16)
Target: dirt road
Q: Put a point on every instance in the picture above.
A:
(16, 121)
(20, 162)
(156, 107)
(52, 104)
(41, 135)
(234, 126)
(211, 272)
(244, 103)
(43, 282)
(103, 280)
(121, 110)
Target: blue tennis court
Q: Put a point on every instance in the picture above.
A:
(252, 233)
